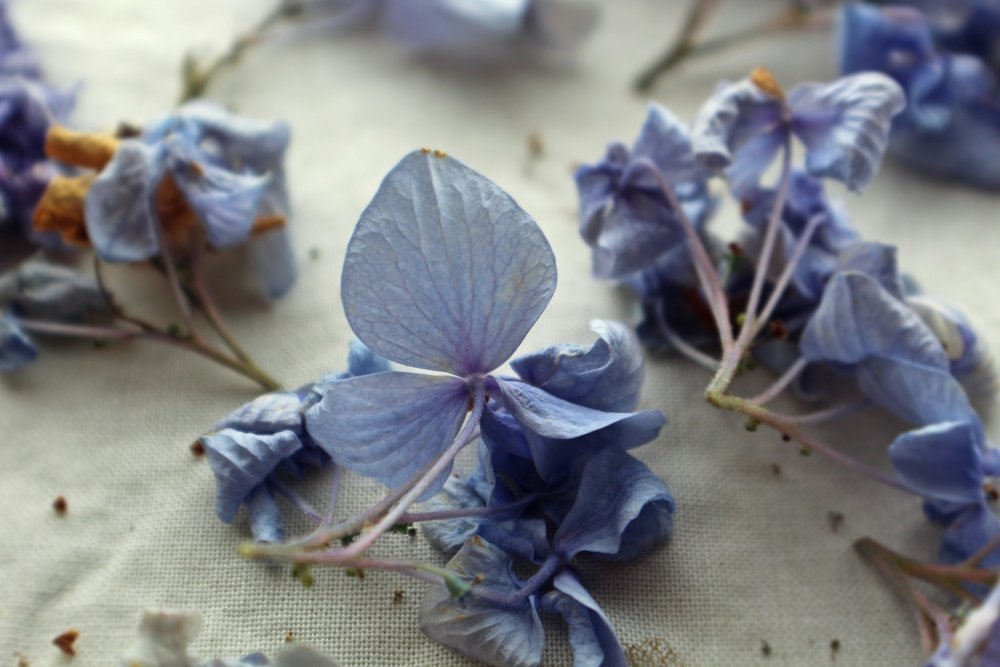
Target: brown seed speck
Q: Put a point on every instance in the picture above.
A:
(479, 578)
(197, 449)
(397, 596)
(60, 506)
(836, 520)
(411, 531)
(425, 151)
(765, 648)
(834, 648)
(536, 147)
(776, 470)
(66, 640)
(785, 438)
(289, 637)
(22, 660)
(992, 494)
(440, 154)
(476, 540)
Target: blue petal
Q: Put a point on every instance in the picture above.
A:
(274, 263)
(297, 655)
(858, 319)
(622, 509)
(270, 413)
(119, 214)
(50, 292)
(444, 270)
(16, 349)
(877, 260)
(969, 533)
(458, 493)
(607, 376)
(502, 636)
(941, 461)
(225, 201)
(873, 38)
(845, 125)
(389, 425)
(445, 24)
(265, 516)
(550, 416)
(559, 24)
(241, 461)
(596, 185)
(524, 538)
(590, 631)
(914, 392)
(739, 127)
(362, 361)
(665, 141)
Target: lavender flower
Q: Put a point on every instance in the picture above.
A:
(942, 54)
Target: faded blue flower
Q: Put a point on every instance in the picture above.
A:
(624, 214)
(267, 437)
(944, 59)
(229, 170)
(844, 126)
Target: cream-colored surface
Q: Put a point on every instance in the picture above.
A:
(753, 558)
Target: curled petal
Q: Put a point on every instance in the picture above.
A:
(552, 417)
(914, 392)
(47, 291)
(845, 125)
(502, 636)
(590, 631)
(444, 270)
(265, 516)
(274, 262)
(942, 461)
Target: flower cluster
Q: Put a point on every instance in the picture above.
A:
(28, 108)
(943, 54)
(445, 273)
(486, 30)
(806, 296)
(164, 637)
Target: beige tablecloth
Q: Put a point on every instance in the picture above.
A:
(754, 558)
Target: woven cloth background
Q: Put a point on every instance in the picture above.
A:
(753, 559)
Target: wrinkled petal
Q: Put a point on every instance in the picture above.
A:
(270, 413)
(524, 538)
(968, 533)
(876, 260)
(120, 219)
(590, 632)
(47, 291)
(274, 263)
(622, 509)
(858, 319)
(550, 416)
(634, 231)
(265, 516)
(458, 493)
(241, 461)
(845, 125)
(739, 128)
(607, 376)
(444, 270)
(16, 349)
(919, 394)
(502, 636)
(941, 461)
(389, 425)
(665, 141)
(452, 24)
(225, 201)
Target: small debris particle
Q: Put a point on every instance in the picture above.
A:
(22, 660)
(397, 596)
(765, 648)
(834, 648)
(314, 253)
(836, 520)
(440, 154)
(786, 438)
(197, 449)
(289, 637)
(66, 640)
(355, 572)
(763, 79)
(425, 151)
(652, 652)
(60, 506)
(479, 578)
(126, 130)
(411, 531)
(536, 147)
(778, 330)
(751, 424)
(735, 249)
(303, 574)
(776, 470)
(477, 541)
(805, 451)
(992, 494)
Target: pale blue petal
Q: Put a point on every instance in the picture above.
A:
(590, 631)
(270, 413)
(297, 655)
(665, 141)
(607, 376)
(118, 210)
(559, 24)
(914, 392)
(46, 291)
(845, 125)
(739, 118)
(501, 636)
(622, 509)
(16, 349)
(941, 461)
(225, 201)
(241, 461)
(274, 262)
(550, 416)
(444, 270)
(362, 361)
(637, 228)
(877, 260)
(859, 319)
(389, 425)
(524, 538)
(265, 516)
(596, 185)
(458, 493)
(452, 24)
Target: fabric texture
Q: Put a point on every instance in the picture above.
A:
(754, 557)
